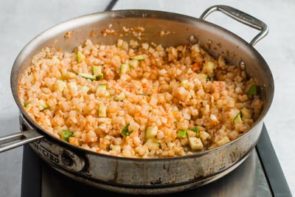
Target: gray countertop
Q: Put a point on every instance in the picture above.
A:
(21, 20)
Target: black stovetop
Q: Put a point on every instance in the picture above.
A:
(259, 175)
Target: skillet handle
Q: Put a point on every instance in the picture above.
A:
(241, 17)
(17, 139)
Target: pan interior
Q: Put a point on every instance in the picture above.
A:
(182, 30)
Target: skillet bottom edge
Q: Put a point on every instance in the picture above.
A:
(156, 190)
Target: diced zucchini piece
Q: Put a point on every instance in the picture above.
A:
(151, 132)
(27, 105)
(97, 72)
(196, 48)
(102, 89)
(124, 68)
(185, 83)
(209, 68)
(152, 144)
(195, 143)
(87, 76)
(102, 86)
(116, 148)
(202, 77)
(120, 97)
(85, 89)
(73, 86)
(66, 134)
(246, 113)
(139, 57)
(223, 141)
(102, 110)
(196, 130)
(100, 76)
(125, 131)
(182, 133)
(252, 90)
(80, 57)
(68, 75)
(43, 105)
(204, 136)
(60, 85)
(237, 118)
(133, 63)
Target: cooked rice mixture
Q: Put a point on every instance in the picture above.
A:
(139, 100)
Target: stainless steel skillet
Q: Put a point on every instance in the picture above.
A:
(146, 176)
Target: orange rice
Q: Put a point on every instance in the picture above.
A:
(139, 100)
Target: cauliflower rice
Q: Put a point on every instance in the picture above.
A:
(139, 100)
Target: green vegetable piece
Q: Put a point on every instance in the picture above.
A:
(196, 130)
(66, 134)
(209, 68)
(125, 131)
(238, 118)
(195, 143)
(203, 77)
(87, 76)
(100, 76)
(27, 105)
(151, 132)
(120, 97)
(43, 105)
(102, 86)
(85, 89)
(133, 63)
(60, 85)
(152, 143)
(102, 110)
(246, 113)
(139, 57)
(124, 68)
(252, 90)
(102, 89)
(185, 83)
(80, 57)
(97, 72)
(182, 133)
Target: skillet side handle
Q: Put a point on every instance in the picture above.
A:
(17, 139)
(241, 17)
